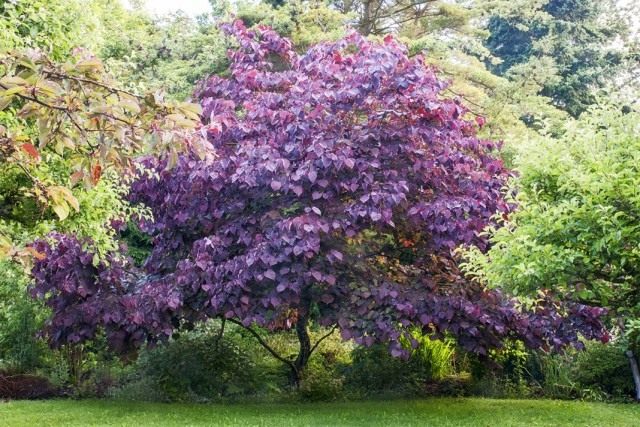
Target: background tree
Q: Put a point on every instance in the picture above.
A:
(576, 229)
(304, 22)
(379, 17)
(55, 27)
(169, 53)
(583, 40)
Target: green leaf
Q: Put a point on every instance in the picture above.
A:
(5, 101)
(62, 210)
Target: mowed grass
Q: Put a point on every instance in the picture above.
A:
(429, 412)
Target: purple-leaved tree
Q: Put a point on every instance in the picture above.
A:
(339, 184)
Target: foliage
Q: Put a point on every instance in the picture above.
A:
(305, 22)
(321, 381)
(168, 53)
(70, 123)
(174, 52)
(576, 229)
(451, 37)
(380, 17)
(374, 371)
(599, 372)
(20, 322)
(578, 36)
(54, 26)
(503, 373)
(312, 210)
(79, 110)
(557, 374)
(199, 367)
(632, 334)
(605, 369)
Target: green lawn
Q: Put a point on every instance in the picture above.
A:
(435, 412)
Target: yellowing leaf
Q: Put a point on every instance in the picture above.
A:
(5, 101)
(192, 111)
(70, 198)
(6, 247)
(49, 88)
(44, 132)
(25, 62)
(89, 65)
(12, 81)
(62, 210)
(68, 143)
(14, 90)
(130, 105)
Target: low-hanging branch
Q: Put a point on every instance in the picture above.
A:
(264, 344)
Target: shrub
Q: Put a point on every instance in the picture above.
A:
(321, 381)
(503, 373)
(604, 367)
(23, 386)
(20, 319)
(374, 370)
(197, 366)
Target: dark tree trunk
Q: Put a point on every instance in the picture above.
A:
(304, 341)
(366, 23)
(635, 372)
(305, 350)
(304, 353)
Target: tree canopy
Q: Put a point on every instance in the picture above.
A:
(337, 186)
(576, 227)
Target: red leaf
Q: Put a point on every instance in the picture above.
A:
(96, 173)
(31, 150)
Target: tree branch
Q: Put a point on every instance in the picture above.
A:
(111, 89)
(264, 344)
(322, 339)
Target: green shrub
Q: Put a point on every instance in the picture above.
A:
(194, 367)
(321, 381)
(20, 349)
(374, 370)
(604, 368)
(600, 372)
(554, 374)
(20, 320)
(503, 373)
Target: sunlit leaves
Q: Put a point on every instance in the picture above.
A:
(76, 112)
(62, 201)
(576, 231)
(78, 109)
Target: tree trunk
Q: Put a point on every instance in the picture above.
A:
(635, 372)
(366, 24)
(304, 353)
